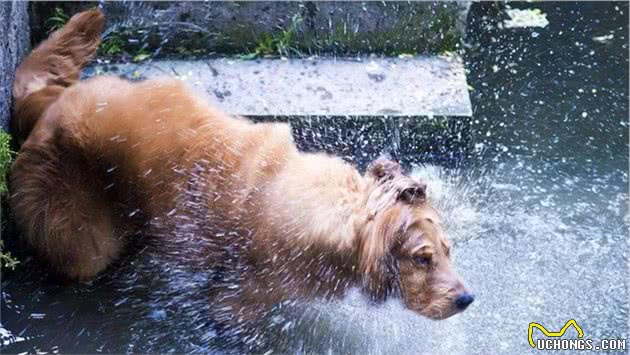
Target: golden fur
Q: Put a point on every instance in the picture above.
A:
(105, 158)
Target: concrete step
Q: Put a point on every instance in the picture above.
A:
(414, 86)
(185, 28)
(417, 109)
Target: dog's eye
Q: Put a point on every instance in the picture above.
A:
(422, 260)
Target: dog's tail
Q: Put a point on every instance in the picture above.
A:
(53, 66)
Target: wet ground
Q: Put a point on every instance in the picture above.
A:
(538, 213)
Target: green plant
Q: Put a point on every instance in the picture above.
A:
(123, 42)
(281, 44)
(112, 44)
(6, 157)
(6, 259)
(57, 20)
(141, 56)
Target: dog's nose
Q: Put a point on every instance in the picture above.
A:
(464, 300)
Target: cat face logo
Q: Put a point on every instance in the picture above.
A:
(554, 341)
(539, 326)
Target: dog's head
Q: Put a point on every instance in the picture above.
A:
(403, 246)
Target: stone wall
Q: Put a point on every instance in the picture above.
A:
(14, 43)
(185, 28)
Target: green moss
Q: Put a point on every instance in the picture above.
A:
(6, 158)
(410, 35)
(445, 25)
(417, 32)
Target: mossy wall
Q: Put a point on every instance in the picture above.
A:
(270, 27)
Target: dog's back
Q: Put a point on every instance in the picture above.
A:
(103, 156)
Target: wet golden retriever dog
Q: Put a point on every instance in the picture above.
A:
(105, 159)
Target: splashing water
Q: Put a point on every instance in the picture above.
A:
(538, 215)
(502, 249)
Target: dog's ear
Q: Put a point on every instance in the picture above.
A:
(383, 169)
(377, 265)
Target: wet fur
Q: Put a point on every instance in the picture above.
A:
(105, 159)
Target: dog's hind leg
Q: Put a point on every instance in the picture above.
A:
(62, 206)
